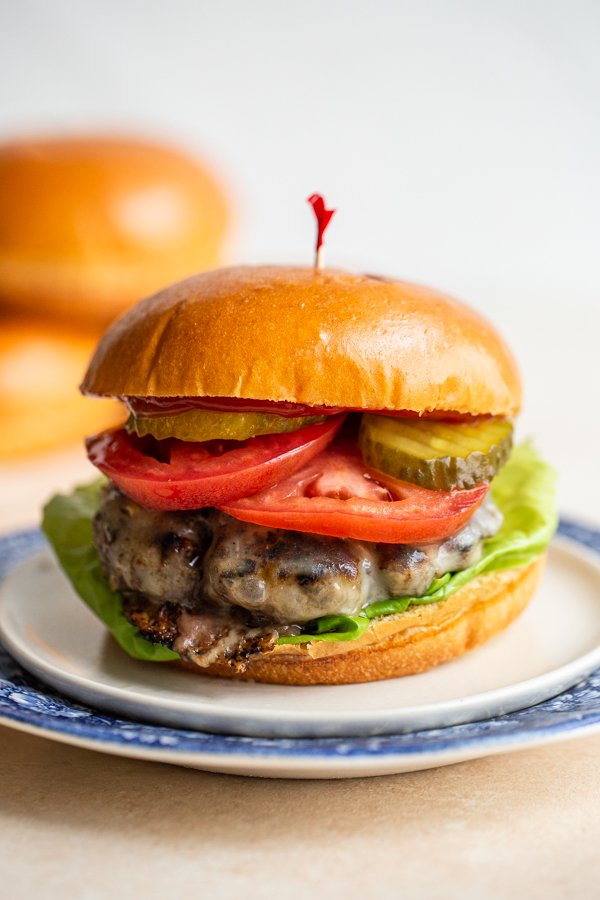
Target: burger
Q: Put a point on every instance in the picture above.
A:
(316, 482)
(88, 225)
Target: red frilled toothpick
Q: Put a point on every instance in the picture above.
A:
(323, 216)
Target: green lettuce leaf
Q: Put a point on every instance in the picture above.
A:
(524, 492)
(67, 523)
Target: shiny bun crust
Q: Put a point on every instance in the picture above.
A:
(89, 225)
(405, 644)
(306, 336)
(40, 406)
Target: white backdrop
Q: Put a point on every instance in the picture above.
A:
(459, 140)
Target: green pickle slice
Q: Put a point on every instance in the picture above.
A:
(205, 425)
(436, 455)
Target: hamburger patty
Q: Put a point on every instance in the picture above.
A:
(212, 587)
(153, 553)
(287, 576)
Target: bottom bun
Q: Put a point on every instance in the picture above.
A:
(40, 404)
(402, 644)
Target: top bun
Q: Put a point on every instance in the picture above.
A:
(88, 225)
(307, 336)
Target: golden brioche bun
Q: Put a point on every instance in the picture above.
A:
(307, 336)
(88, 225)
(40, 406)
(403, 644)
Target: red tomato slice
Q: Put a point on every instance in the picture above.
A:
(194, 475)
(335, 494)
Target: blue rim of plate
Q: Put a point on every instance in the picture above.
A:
(28, 703)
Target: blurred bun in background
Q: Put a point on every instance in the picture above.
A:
(40, 406)
(88, 226)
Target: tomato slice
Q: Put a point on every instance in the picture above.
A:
(335, 494)
(185, 475)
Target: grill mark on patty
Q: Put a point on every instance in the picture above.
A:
(200, 638)
(156, 623)
(170, 542)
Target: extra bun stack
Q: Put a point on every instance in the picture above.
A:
(88, 225)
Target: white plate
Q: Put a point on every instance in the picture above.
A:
(553, 645)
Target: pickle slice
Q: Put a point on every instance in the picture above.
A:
(436, 455)
(205, 425)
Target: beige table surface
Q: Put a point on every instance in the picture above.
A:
(79, 824)
(75, 823)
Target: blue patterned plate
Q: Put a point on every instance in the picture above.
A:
(27, 704)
